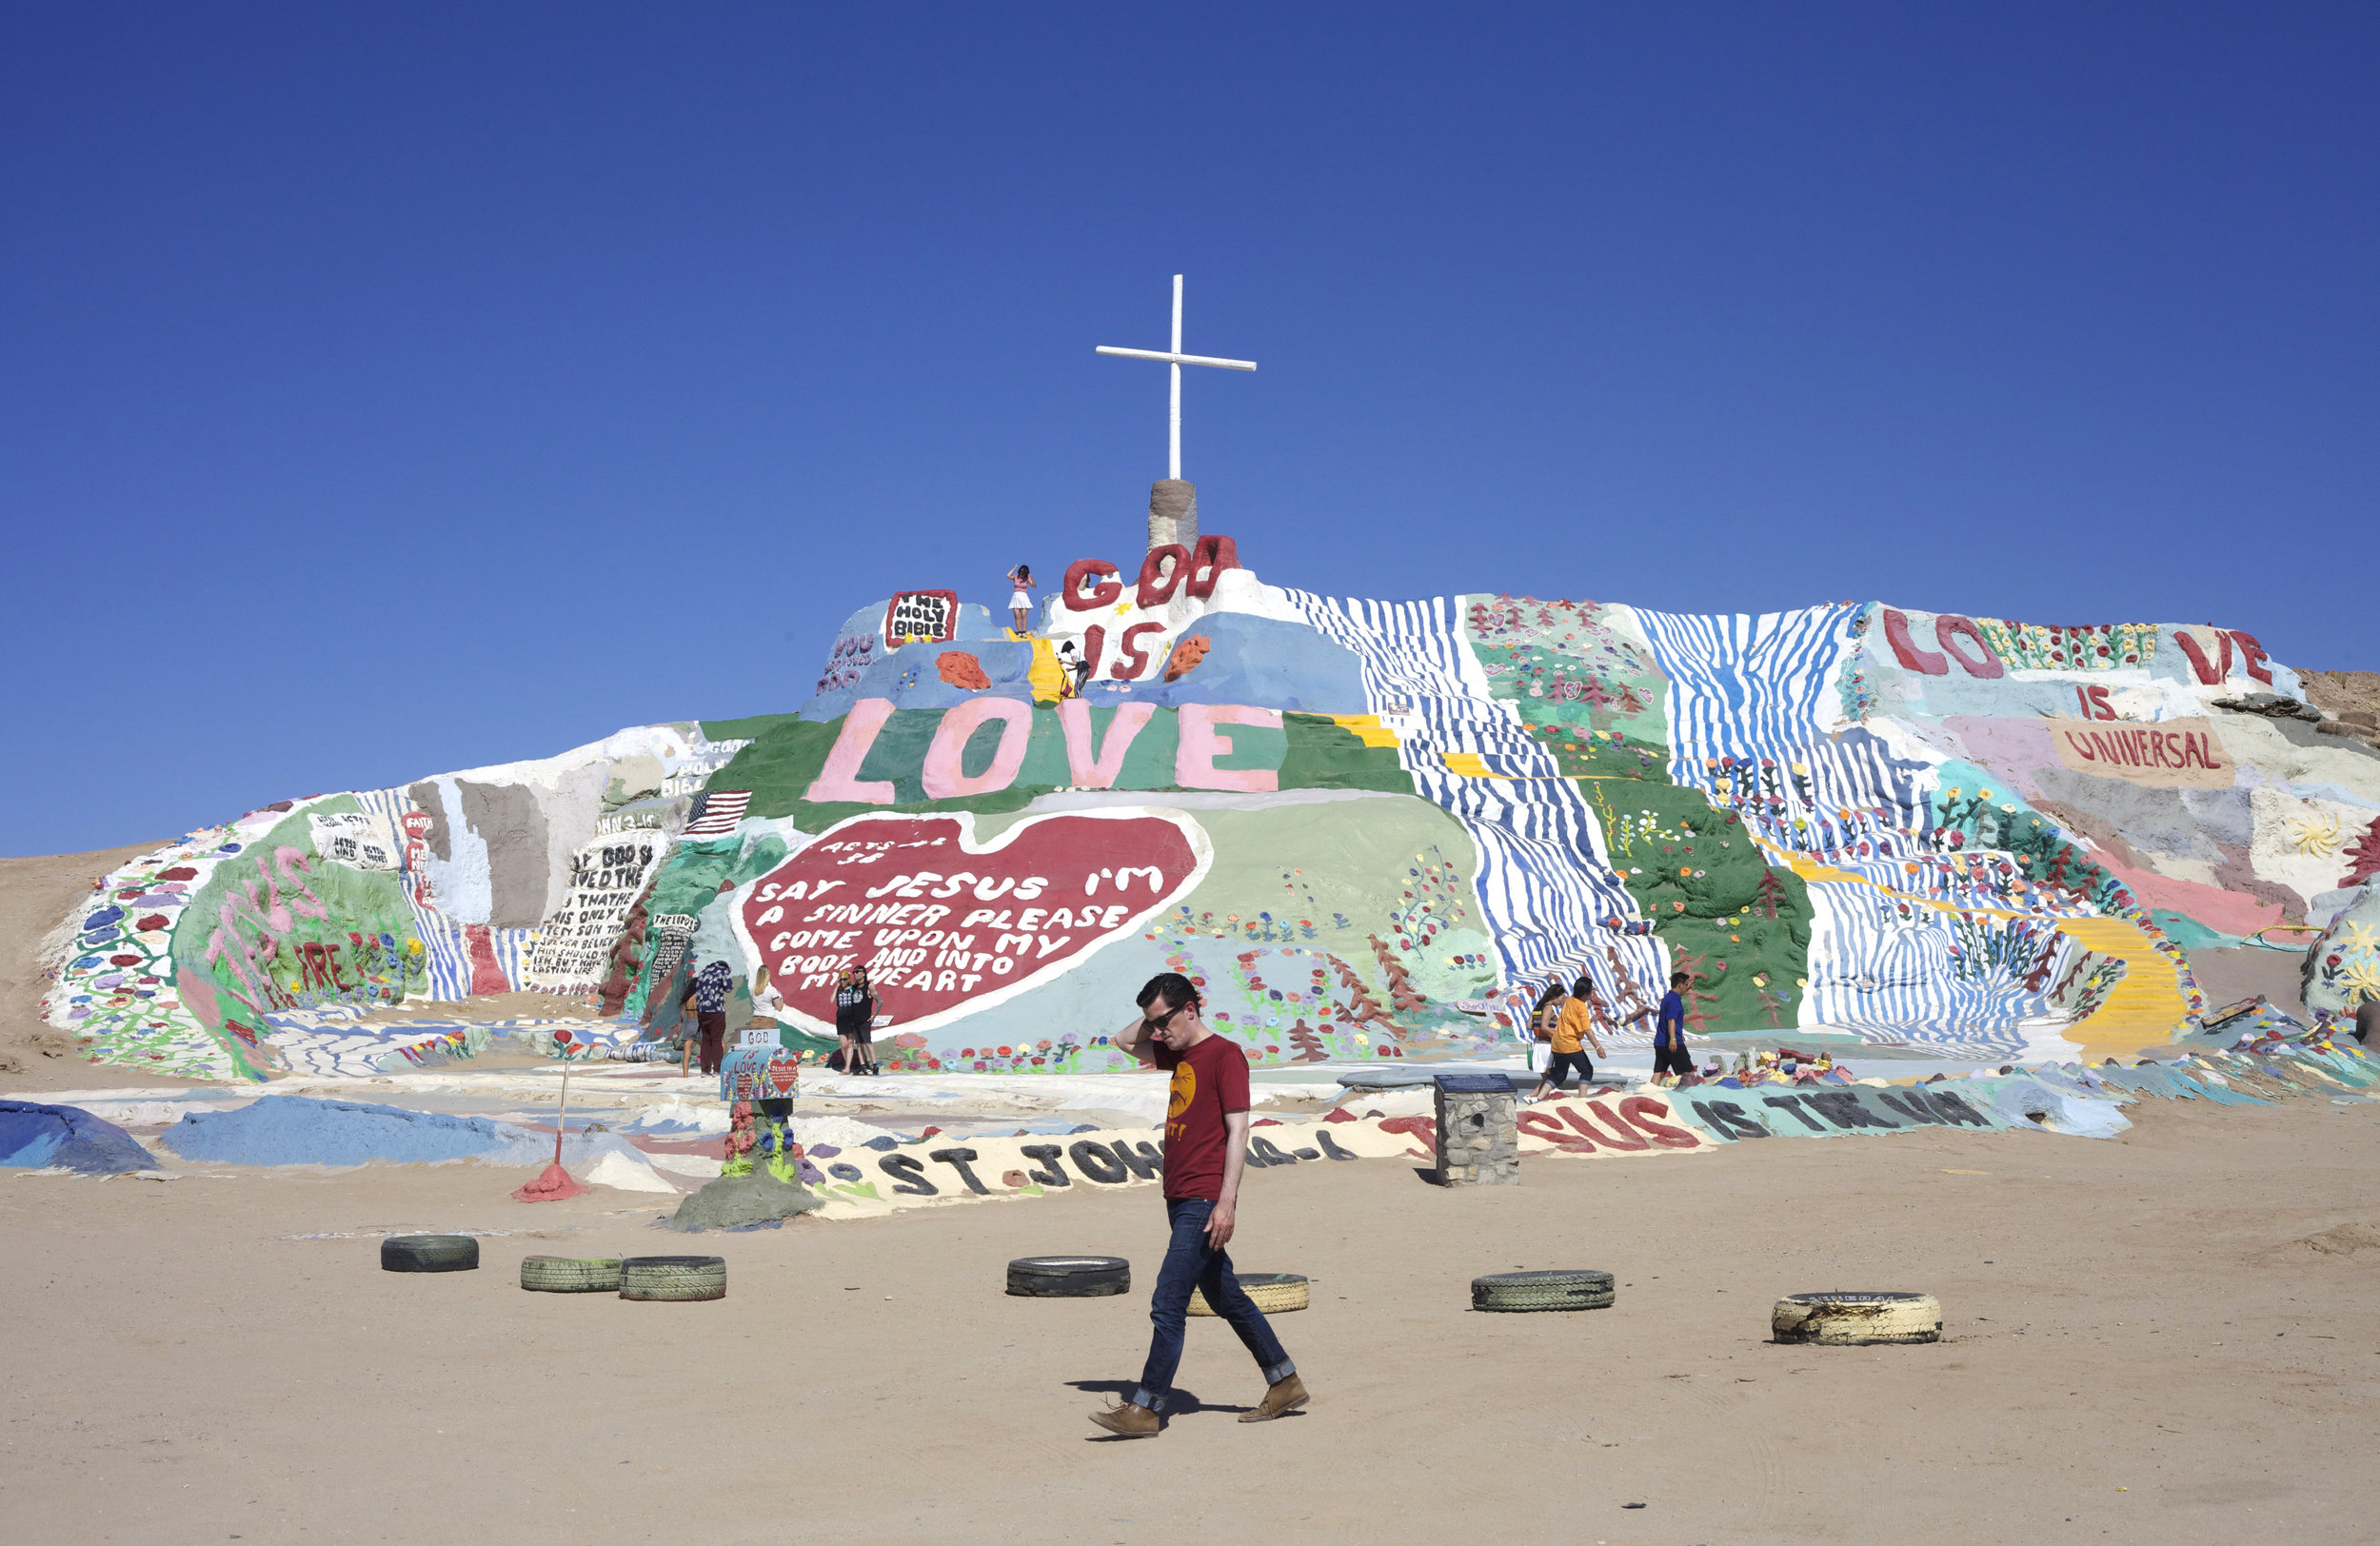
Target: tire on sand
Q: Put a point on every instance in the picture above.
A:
(1581, 1288)
(1069, 1277)
(673, 1277)
(428, 1252)
(569, 1274)
(1274, 1293)
(1848, 1319)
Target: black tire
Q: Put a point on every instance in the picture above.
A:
(568, 1275)
(673, 1279)
(1580, 1288)
(428, 1252)
(1856, 1318)
(1274, 1292)
(1069, 1277)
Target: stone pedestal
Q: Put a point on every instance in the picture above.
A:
(1172, 512)
(1478, 1139)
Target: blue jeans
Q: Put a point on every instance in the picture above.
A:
(1190, 1263)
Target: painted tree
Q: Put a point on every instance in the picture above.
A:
(1769, 894)
(2363, 860)
(1400, 989)
(1362, 1009)
(1698, 1011)
(1308, 1042)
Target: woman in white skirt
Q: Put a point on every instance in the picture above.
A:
(1543, 1019)
(1020, 604)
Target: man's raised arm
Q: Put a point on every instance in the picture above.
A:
(1135, 1039)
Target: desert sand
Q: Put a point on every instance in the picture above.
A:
(2141, 1344)
(2157, 1337)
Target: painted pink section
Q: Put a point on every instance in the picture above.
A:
(943, 780)
(2232, 912)
(1194, 763)
(840, 778)
(1074, 717)
(2010, 748)
(198, 995)
(488, 974)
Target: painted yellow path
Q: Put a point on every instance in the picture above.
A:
(2144, 1010)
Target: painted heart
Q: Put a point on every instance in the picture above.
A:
(947, 928)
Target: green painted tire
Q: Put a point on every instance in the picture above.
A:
(568, 1275)
(674, 1279)
(428, 1252)
(1274, 1292)
(1569, 1289)
(1848, 1319)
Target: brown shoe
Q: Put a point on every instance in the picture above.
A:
(1128, 1419)
(1281, 1396)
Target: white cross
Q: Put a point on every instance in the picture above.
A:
(1177, 360)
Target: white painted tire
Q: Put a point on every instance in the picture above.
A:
(1274, 1292)
(1847, 1319)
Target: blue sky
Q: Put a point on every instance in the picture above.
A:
(386, 390)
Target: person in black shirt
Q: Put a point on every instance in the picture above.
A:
(855, 1022)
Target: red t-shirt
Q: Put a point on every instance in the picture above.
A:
(1210, 1080)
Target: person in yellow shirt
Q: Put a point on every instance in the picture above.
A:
(1576, 1028)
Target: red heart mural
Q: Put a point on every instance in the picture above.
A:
(946, 927)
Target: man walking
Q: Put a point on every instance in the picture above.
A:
(1670, 1055)
(710, 1011)
(1206, 1145)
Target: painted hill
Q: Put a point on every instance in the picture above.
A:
(1369, 828)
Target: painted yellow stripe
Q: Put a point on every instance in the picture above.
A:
(1047, 677)
(1368, 727)
(2146, 1008)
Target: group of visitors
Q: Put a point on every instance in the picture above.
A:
(855, 1020)
(1567, 1020)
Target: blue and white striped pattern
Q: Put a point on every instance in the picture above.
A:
(1846, 796)
(1872, 970)
(1545, 883)
(448, 948)
(444, 940)
(1744, 687)
(1749, 700)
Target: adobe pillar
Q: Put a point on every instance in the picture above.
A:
(1172, 512)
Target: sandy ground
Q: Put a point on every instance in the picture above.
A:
(2139, 1348)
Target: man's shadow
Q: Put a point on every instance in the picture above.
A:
(1182, 1403)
